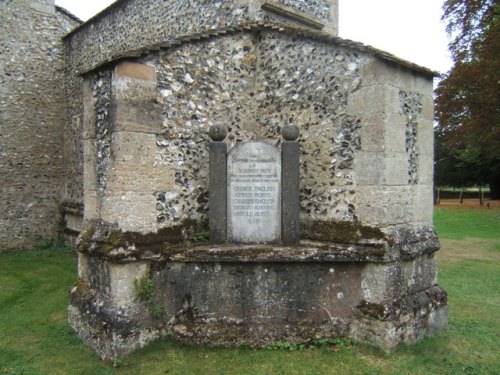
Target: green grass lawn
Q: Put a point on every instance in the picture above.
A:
(35, 338)
(461, 223)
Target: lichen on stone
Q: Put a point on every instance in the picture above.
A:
(341, 232)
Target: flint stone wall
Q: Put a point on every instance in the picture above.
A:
(128, 26)
(32, 119)
(364, 267)
(366, 129)
(365, 193)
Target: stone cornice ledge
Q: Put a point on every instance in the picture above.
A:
(305, 251)
(284, 12)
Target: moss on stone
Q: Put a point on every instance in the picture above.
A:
(341, 232)
(85, 238)
(378, 251)
(81, 286)
(135, 243)
(115, 240)
(144, 290)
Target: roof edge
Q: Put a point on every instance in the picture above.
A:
(69, 14)
(284, 28)
(102, 13)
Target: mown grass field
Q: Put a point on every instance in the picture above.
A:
(35, 338)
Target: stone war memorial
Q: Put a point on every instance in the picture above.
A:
(237, 174)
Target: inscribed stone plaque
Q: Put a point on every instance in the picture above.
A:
(254, 193)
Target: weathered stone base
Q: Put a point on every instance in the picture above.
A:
(426, 315)
(112, 335)
(217, 298)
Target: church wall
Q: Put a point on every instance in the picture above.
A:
(366, 128)
(132, 24)
(32, 118)
(129, 25)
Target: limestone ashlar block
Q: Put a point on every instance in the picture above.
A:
(395, 140)
(384, 283)
(413, 241)
(89, 110)
(131, 90)
(427, 107)
(73, 222)
(425, 319)
(425, 145)
(373, 132)
(133, 147)
(133, 167)
(136, 103)
(252, 306)
(372, 100)
(423, 203)
(140, 115)
(334, 16)
(396, 169)
(426, 169)
(127, 176)
(110, 279)
(89, 165)
(383, 132)
(104, 310)
(380, 282)
(418, 274)
(131, 211)
(423, 84)
(384, 205)
(90, 188)
(83, 268)
(425, 140)
(377, 71)
(370, 168)
(93, 275)
(122, 279)
(134, 70)
(44, 6)
(91, 207)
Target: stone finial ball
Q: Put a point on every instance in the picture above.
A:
(217, 132)
(290, 132)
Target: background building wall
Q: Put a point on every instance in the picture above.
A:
(32, 117)
(133, 24)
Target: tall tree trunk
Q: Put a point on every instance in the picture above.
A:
(495, 186)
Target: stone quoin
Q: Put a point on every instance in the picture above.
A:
(234, 171)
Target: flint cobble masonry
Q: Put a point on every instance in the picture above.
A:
(32, 118)
(144, 83)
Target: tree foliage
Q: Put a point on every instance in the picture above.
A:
(468, 98)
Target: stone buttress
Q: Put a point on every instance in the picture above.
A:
(364, 266)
